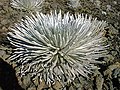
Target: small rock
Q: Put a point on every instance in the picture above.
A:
(115, 2)
(97, 3)
(109, 8)
(2, 53)
(57, 86)
(103, 12)
(4, 22)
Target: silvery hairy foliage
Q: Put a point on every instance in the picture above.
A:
(27, 5)
(56, 47)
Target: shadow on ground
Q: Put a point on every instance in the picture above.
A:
(8, 79)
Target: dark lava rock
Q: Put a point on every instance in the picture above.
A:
(8, 79)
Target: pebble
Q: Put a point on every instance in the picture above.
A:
(4, 22)
(103, 12)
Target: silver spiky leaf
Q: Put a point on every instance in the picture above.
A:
(27, 5)
(58, 48)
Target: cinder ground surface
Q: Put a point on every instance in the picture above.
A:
(107, 78)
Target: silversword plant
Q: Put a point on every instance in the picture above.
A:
(27, 5)
(57, 47)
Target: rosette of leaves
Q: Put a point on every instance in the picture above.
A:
(27, 5)
(56, 47)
